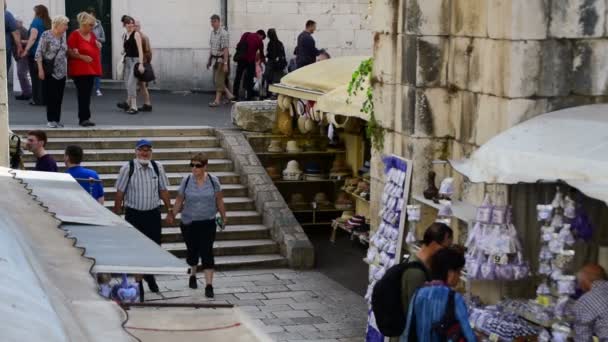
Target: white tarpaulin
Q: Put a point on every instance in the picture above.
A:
(570, 145)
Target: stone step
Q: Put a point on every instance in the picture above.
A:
(123, 154)
(60, 143)
(239, 217)
(232, 232)
(229, 190)
(231, 204)
(169, 165)
(229, 247)
(235, 262)
(121, 131)
(175, 178)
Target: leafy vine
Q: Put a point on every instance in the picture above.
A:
(374, 129)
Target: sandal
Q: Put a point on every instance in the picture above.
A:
(132, 111)
(213, 104)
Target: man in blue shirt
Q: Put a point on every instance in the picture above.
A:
(87, 178)
(12, 35)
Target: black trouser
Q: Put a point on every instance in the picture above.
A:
(148, 223)
(53, 92)
(199, 237)
(249, 70)
(37, 84)
(84, 87)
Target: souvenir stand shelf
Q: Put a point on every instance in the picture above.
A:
(311, 149)
(362, 237)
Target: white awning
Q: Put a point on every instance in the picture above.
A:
(570, 145)
(116, 246)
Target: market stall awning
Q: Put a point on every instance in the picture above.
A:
(116, 246)
(570, 145)
(339, 102)
(312, 81)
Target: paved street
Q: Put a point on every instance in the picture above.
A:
(289, 305)
(177, 109)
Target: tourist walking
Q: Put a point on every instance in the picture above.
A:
(35, 143)
(219, 60)
(87, 178)
(12, 36)
(248, 48)
(276, 61)
(437, 312)
(52, 64)
(100, 35)
(142, 184)
(133, 54)
(591, 309)
(306, 50)
(199, 199)
(41, 23)
(143, 86)
(22, 64)
(84, 64)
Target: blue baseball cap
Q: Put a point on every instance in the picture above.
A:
(142, 143)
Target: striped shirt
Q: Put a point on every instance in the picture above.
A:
(142, 193)
(591, 313)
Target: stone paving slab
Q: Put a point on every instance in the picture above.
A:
(288, 305)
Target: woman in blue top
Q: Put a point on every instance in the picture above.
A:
(429, 304)
(41, 23)
(199, 199)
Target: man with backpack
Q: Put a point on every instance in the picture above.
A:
(401, 281)
(219, 60)
(142, 184)
(248, 48)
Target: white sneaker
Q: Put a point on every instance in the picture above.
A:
(51, 124)
(59, 124)
(98, 92)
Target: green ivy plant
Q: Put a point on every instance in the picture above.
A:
(375, 131)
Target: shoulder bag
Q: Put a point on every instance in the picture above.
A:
(49, 64)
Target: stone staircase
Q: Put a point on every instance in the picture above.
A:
(245, 242)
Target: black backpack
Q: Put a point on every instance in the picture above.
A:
(132, 170)
(386, 299)
(241, 48)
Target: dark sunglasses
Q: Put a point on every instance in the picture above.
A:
(197, 165)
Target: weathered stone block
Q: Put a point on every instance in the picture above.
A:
(384, 104)
(590, 67)
(428, 17)
(300, 253)
(408, 59)
(505, 68)
(363, 39)
(385, 58)
(518, 19)
(256, 116)
(556, 78)
(433, 113)
(577, 18)
(463, 114)
(460, 51)
(469, 18)
(384, 17)
(432, 62)
(497, 114)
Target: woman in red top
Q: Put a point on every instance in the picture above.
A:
(84, 64)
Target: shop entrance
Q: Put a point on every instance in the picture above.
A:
(103, 12)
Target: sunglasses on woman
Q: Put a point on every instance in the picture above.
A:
(197, 165)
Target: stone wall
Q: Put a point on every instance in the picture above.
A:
(284, 227)
(451, 74)
(342, 25)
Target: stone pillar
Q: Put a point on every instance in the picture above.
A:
(4, 154)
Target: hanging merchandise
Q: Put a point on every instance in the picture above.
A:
(558, 221)
(494, 249)
(413, 217)
(386, 243)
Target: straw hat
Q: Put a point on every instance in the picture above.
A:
(347, 215)
(273, 172)
(275, 146)
(321, 200)
(284, 122)
(292, 171)
(344, 202)
(339, 169)
(293, 166)
(292, 146)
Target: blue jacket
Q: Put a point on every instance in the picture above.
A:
(430, 303)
